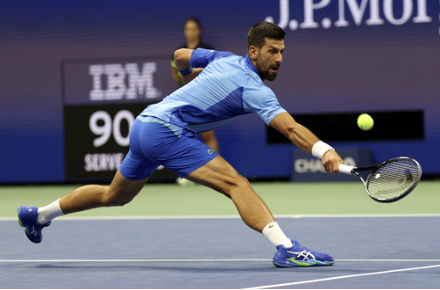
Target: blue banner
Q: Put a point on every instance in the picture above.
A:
(341, 56)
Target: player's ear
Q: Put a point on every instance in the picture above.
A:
(253, 52)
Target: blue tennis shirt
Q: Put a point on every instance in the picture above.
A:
(228, 86)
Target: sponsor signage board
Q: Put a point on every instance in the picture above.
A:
(305, 167)
(101, 101)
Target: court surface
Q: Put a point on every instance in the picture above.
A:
(204, 244)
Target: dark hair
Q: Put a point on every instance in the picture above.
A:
(262, 30)
(196, 20)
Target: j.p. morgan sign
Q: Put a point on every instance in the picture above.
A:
(357, 12)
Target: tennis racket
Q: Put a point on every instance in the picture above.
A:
(388, 181)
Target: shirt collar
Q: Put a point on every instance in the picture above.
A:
(251, 65)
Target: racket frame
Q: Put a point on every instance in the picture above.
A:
(347, 169)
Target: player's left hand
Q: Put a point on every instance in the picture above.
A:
(189, 77)
(331, 161)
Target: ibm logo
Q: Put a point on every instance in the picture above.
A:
(117, 81)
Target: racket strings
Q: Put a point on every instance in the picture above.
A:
(393, 179)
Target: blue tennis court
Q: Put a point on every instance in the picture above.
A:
(75, 75)
(370, 252)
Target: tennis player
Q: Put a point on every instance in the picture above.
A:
(220, 86)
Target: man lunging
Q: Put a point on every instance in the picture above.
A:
(220, 86)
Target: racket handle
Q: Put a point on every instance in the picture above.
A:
(346, 169)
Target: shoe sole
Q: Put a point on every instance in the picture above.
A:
(310, 263)
(21, 223)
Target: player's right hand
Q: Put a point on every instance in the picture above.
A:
(331, 161)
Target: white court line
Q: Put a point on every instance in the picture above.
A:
(230, 217)
(344, 277)
(199, 260)
(134, 260)
(387, 260)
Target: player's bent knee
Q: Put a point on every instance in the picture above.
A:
(245, 181)
(239, 184)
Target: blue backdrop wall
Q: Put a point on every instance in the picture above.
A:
(341, 56)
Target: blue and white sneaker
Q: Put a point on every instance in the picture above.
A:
(297, 256)
(27, 218)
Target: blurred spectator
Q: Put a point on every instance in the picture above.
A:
(192, 29)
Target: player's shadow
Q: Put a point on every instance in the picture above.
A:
(263, 267)
(181, 267)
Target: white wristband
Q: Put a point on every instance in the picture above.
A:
(320, 148)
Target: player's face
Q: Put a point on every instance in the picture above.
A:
(192, 31)
(269, 59)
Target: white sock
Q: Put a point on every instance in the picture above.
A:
(49, 212)
(275, 235)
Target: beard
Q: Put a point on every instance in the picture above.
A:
(268, 74)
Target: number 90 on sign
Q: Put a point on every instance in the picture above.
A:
(110, 126)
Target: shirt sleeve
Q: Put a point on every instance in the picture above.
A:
(202, 57)
(265, 104)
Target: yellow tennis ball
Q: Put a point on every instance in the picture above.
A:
(365, 122)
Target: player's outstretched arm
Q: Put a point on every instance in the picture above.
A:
(305, 139)
(182, 59)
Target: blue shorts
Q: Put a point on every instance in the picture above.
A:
(154, 142)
